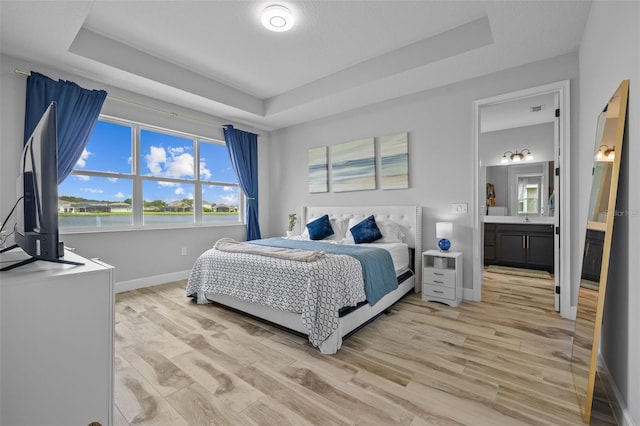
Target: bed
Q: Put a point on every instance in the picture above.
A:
(327, 298)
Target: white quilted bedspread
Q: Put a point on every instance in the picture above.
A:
(316, 290)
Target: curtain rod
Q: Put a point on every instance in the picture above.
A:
(141, 105)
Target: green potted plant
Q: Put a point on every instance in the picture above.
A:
(292, 223)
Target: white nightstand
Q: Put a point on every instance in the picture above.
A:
(442, 277)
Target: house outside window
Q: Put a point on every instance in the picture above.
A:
(133, 176)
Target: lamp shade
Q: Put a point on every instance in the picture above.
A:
(444, 230)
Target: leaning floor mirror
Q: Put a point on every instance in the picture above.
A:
(597, 246)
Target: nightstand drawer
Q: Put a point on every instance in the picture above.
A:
(440, 277)
(439, 291)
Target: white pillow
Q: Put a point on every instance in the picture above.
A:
(391, 232)
(339, 227)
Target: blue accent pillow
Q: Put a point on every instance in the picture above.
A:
(366, 231)
(320, 228)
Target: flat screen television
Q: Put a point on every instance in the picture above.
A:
(36, 229)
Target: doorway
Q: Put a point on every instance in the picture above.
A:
(561, 178)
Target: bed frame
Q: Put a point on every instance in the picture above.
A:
(410, 220)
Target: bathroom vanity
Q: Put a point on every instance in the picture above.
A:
(519, 242)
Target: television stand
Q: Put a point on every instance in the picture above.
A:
(56, 345)
(33, 259)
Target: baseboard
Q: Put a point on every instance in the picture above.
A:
(151, 281)
(618, 404)
(467, 294)
(573, 313)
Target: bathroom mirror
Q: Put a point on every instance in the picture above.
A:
(520, 189)
(597, 246)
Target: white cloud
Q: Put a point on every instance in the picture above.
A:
(82, 161)
(92, 190)
(168, 184)
(180, 166)
(179, 191)
(205, 173)
(156, 158)
(190, 196)
(229, 199)
(229, 188)
(176, 163)
(119, 195)
(112, 180)
(82, 177)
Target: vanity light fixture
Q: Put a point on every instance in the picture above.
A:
(277, 18)
(605, 153)
(516, 157)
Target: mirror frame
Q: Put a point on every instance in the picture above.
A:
(586, 316)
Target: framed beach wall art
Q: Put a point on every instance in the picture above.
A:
(353, 166)
(318, 170)
(394, 164)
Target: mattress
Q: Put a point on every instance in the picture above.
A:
(399, 251)
(399, 254)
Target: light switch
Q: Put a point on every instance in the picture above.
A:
(459, 208)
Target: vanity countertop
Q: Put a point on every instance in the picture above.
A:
(519, 219)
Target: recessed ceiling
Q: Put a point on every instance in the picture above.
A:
(216, 57)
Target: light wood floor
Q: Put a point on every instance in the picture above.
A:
(503, 361)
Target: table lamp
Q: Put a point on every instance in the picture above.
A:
(444, 230)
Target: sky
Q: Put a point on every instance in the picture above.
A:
(161, 155)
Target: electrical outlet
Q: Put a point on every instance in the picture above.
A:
(459, 208)
(184, 251)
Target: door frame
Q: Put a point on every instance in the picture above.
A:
(562, 197)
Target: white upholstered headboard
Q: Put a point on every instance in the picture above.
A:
(408, 217)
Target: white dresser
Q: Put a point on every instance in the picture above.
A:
(56, 328)
(442, 277)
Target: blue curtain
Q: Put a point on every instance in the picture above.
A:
(77, 112)
(243, 150)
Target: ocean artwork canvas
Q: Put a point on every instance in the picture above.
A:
(394, 165)
(353, 166)
(318, 170)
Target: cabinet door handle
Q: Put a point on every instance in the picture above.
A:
(438, 282)
(524, 245)
(439, 274)
(528, 241)
(439, 292)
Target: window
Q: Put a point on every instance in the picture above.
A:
(529, 194)
(135, 176)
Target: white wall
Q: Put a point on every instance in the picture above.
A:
(136, 255)
(440, 129)
(609, 53)
(537, 138)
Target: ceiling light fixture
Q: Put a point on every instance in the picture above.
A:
(277, 18)
(516, 157)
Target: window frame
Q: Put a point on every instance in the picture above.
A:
(138, 180)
